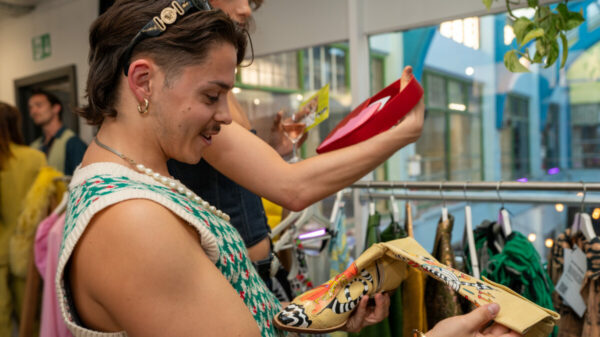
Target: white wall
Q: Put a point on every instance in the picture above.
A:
(284, 25)
(67, 22)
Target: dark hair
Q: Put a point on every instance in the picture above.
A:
(10, 130)
(255, 4)
(185, 42)
(50, 97)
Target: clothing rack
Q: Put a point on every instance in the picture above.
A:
(465, 191)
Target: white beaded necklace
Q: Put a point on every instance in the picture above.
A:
(169, 182)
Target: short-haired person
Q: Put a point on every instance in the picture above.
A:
(63, 148)
(142, 254)
(19, 167)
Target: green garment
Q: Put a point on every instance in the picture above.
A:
(392, 326)
(518, 266)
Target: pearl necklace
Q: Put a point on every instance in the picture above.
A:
(174, 184)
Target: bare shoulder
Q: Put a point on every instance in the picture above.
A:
(138, 268)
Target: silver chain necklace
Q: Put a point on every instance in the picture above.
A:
(169, 182)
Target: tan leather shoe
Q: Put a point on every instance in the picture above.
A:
(382, 267)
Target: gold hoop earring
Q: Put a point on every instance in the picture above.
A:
(143, 110)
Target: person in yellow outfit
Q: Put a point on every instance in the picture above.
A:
(19, 166)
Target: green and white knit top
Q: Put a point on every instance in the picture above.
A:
(100, 185)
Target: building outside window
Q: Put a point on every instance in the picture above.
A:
(450, 145)
(514, 138)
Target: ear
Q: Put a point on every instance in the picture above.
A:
(56, 109)
(141, 73)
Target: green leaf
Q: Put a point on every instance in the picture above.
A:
(563, 10)
(533, 34)
(532, 3)
(540, 47)
(575, 19)
(521, 27)
(488, 4)
(553, 52)
(537, 58)
(511, 62)
(565, 45)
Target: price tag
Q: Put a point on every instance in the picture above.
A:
(569, 284)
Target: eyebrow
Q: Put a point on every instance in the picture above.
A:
(222, 84)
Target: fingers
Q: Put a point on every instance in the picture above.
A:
(382, 308)
(355, 322)
(407, 75)
(478, 318)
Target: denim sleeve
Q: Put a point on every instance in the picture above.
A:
(74, 154)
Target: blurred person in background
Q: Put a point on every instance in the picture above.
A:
(62, 146)
(19, 166)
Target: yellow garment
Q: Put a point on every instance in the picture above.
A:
(45, 191)
(413, 302)
(273, 212)
(17, 177)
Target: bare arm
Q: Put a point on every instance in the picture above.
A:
(149, 276)
(252, 163)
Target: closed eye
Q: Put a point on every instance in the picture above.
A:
(213, 99)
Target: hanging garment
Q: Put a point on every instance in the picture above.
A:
(489, 241)
(396, 313)
(339, 254)
(519, 268)
(298, 277)
(381, 329)
(414, 311)
(591, 288)
(442, 301)
(570, 324)
(44, 192)
(16, 177)
(47, 246)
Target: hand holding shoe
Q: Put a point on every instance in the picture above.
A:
(366, 315)
(472, 325)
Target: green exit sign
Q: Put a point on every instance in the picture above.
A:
(41, 47)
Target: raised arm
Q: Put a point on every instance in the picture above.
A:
(141, 269)
(252, 163)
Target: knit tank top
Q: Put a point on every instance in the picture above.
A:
(100, 185)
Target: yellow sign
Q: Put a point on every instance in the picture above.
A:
(316, 108)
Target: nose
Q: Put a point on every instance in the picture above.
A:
(243, 11)
(223, 115)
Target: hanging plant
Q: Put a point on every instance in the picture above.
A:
(546, 28)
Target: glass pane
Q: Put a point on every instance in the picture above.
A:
(436, 92)
(465, 147)
(456, 96)
(475, 97)
(431, 147)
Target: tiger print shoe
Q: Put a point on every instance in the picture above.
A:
(382, 267)
(327, 307)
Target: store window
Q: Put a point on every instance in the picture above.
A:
(585, 126)
(326, 65)
(464, 31)
(514, 138)
(550, 139)
(450, 146)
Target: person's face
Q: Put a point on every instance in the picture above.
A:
(238, 10)
(192, 106)
(41, 111)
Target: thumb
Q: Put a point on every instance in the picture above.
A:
(478, 318)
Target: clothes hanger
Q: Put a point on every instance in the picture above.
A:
(395, 209)
(285, 223)
(408, 224)
(470, 237)
(371, 201)
(62, 206)
(503, 215)
(583, 221)
(444, 207)
(337, 204)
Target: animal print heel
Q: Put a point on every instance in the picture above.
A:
(327, 307)
(383, 267)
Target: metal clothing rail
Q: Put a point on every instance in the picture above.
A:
(482, 186)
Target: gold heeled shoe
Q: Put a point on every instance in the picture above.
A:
(383, 267)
